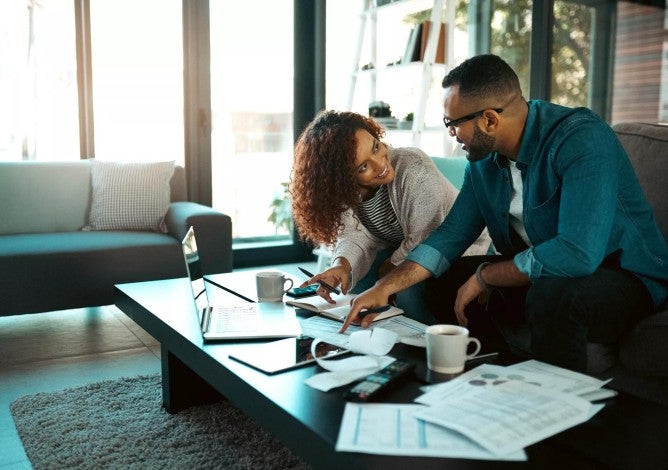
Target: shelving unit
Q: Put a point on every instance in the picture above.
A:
(416, 78)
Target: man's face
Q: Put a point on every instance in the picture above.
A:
(479, 146)
(475, 142)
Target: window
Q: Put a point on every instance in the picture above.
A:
(137, 56)
(252, 105)
(38, 81)
(640, 86)
(510, 34)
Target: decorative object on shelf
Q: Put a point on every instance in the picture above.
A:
(379, 109)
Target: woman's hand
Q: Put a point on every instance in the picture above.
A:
(335, 276)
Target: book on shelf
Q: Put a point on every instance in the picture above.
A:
(440, 47)
(339, 310)
(413, 50)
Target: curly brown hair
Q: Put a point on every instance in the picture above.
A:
(323, 182)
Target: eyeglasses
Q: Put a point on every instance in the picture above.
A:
(468, 117)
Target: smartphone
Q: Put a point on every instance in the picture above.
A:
(299, 292)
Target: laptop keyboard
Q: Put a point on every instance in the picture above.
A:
(235, 318)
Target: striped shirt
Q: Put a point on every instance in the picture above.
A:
(380, 219)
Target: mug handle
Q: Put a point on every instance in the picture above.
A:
(290, 286)
(477, 348)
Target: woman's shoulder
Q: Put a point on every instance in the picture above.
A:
(411, 159)
(408, 156)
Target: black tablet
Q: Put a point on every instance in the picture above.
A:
(284, 354)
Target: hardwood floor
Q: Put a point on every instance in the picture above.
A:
(55, 350)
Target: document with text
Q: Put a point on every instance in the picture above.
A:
(510, 416)
(531, 372)
(392, 429)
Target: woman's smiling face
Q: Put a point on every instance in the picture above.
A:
(371, 162)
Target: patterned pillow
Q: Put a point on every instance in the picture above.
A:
(129, 196)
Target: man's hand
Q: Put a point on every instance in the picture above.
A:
(469, 291)
(374, 297)
(501, 274)
(404, 275)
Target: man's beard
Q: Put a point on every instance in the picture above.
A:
(481, 145)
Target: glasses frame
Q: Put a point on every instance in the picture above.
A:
(468, 117)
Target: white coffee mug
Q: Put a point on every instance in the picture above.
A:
(447, 347)
(271, 286)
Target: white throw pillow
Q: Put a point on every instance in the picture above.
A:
(129, 196)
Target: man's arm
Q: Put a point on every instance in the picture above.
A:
(406, 274)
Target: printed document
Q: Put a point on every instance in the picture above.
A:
(391, 429)
(510, 416)
(328, 330)
(532, 372)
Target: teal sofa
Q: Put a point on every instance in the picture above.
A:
(47, 262)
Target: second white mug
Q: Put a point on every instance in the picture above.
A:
(447, 347)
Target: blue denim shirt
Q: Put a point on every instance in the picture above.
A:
(582, 203)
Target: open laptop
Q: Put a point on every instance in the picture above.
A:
(238, 319)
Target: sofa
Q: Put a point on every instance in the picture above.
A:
(59, 248)
(639, 363)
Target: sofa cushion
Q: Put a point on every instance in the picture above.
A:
(129, 196)
(38, 197)
(646, 145)
(53, 271)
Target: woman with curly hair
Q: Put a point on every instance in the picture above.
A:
(369, 201)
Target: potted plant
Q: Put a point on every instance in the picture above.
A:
(281, 210)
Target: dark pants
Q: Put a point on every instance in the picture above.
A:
(562, 314)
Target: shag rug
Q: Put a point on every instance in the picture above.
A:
(121, 424)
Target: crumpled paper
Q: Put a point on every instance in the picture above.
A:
(373, 345)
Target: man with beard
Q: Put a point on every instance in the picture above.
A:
(580, 257)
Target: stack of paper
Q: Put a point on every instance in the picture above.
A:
(490, 412)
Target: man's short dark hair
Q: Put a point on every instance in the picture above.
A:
(483, 76)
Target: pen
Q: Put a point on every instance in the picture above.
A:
(322, 283)
(380, 309)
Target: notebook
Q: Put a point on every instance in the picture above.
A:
(338, 311)
(240, 320)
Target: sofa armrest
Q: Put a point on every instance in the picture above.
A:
(213, 230)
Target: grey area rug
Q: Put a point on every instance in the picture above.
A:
(121, 424)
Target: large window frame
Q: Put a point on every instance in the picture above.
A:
(542, 22)
(309, 51)
(309, 86)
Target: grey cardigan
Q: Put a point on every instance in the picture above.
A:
(421, 198)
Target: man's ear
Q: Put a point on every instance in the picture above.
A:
(491, 120)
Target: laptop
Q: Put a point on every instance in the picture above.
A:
(238, 319)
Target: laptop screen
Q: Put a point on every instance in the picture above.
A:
(191, 255)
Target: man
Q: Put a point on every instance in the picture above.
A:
(578, 244)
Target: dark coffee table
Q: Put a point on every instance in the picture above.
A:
(628, 433)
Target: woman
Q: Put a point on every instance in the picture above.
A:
(371, 202)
